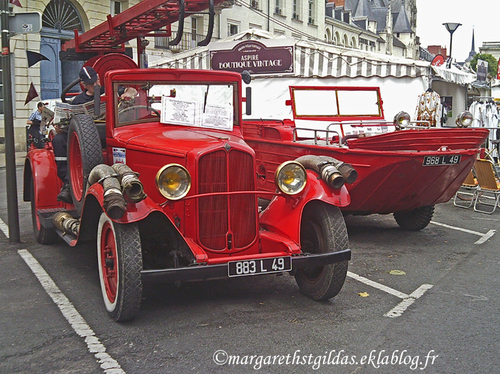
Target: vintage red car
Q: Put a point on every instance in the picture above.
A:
(403, 168)
(167, 187)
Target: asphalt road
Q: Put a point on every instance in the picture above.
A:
(437, 313)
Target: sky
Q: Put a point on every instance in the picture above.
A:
(482, 15)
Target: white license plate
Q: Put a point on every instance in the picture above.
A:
(259, 266)
(441, 160)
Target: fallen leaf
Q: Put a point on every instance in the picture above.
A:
(363, 294)
(397, 272)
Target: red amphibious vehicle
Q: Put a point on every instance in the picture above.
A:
(403, 168)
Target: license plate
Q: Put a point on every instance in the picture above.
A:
(259, 266)
(441, 160)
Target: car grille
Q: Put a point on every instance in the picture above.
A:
(226, 221)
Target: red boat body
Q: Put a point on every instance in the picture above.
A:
(397, 171)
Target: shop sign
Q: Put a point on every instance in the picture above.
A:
(254, 57)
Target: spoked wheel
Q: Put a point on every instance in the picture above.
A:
(84, 153)
(43, 235)
(120, 263)
(416, 219)
(322, 230)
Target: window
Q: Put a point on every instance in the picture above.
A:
(296, 10)
(277, 10)
(232, 29)
(194, 28)
(116, 7)
(311, 12)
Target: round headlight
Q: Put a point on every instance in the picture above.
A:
(402, 119)
(173, 181)
(464, 119)
(291, 177)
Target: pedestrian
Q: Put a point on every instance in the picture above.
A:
(35, 129)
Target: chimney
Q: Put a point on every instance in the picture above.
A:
(337, 2)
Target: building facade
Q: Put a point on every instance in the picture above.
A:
(381, 26)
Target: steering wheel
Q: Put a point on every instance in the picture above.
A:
(66, 90)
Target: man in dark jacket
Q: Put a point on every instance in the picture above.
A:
(89, 79)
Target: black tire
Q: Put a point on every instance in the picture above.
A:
(84, 153)
(416, 219)
(119, 259)
(322, 230)
(43, 235)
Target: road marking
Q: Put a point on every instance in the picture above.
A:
(403, 305)
(484, 237)
(399, 309)
(4, 228)
(373, 284)
(108, 364)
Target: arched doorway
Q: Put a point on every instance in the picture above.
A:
(59, 19)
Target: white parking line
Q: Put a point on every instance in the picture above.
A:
(399, 309)
(4, 228)
(108, 363)
(379, 286)
(403, 305)
(484, 237)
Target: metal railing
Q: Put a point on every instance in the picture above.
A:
(188, 41)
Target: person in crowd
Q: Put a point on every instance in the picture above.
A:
(89, 79)
(35, 121)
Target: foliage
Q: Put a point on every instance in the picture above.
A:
(492, 63)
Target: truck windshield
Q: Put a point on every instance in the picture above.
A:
(335, 102)
(208, 105)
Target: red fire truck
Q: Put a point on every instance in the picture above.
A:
(166, 186)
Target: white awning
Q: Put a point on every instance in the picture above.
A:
(454, 75)
(313, 59)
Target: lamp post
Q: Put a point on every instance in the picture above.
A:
(451, 27)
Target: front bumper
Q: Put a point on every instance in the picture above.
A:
(205, 272)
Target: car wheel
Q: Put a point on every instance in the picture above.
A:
(416, 219)
(120, 263)
(43, 235)
(322, 230)
(84, 153)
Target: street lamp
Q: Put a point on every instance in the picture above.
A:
(451, 27)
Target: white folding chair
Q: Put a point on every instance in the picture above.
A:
(489, 194)
(467, 193)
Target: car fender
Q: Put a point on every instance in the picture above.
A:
(40, 165)
(284, 213)
(142, 210)
(135, 211)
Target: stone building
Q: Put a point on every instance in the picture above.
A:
(381, 26)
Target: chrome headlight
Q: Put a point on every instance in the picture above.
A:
(291, 177)
(464, 119)
(173, 181)
(402, 119)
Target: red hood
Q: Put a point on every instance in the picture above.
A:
(170, 140)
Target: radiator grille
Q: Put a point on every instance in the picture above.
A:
(226, 221)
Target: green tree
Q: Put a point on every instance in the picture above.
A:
(492, 63)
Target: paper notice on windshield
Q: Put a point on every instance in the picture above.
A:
(218, 117)
(192, 113)
(180, 112)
